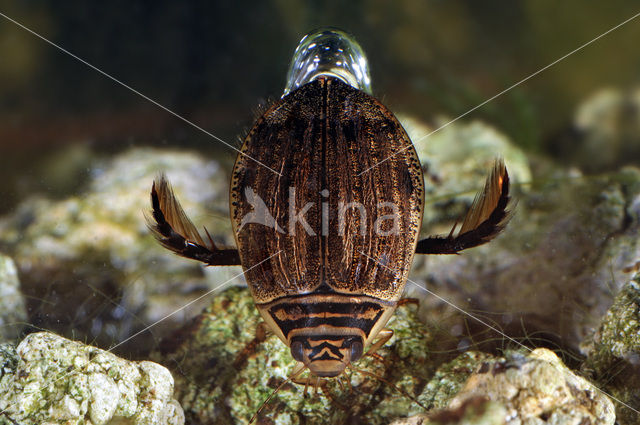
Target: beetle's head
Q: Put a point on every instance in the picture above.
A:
(326, 355)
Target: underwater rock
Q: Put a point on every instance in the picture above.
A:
(553, 272)
(225, 366)
(48, 379)
(13, 313)
(456, 160)
(475, 411)
(613, 353)
(530, 388)
(537, 386)
(605, 133)
(89, 264)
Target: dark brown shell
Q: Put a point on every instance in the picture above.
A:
(320, 138)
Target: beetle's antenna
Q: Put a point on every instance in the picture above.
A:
(391, 384)
(262, 406)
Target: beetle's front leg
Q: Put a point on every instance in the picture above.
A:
(383, 336)
(308, 381)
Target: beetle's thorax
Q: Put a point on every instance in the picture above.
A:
(327, 332)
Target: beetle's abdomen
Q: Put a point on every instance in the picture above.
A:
(324, 217)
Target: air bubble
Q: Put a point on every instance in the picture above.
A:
(329, 52)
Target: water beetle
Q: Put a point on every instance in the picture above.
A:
(326, 202)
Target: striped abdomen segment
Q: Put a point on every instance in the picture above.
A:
(327, 314)
(296, 315)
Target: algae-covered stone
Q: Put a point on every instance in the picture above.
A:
(225, 368)
(89, 264)
(614, 352)
(475, 411)
(538, 387)
(50, 379)
(619, 334)
(531, 387)
(13, 313)
(450, 378)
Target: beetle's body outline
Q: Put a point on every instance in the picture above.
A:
(327, 322)
(327, 293)
(321, 295)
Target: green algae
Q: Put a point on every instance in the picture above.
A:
(224, 373)
(613, 353)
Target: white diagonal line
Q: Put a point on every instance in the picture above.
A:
(493, 328)
(109, 76)
(191, 302)
(506, 90)
(153, 324)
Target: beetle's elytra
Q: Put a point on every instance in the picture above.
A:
(326, 202)
(326, 290)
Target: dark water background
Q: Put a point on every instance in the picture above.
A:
(214, 62)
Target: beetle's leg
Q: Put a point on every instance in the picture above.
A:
(262, 331)
(175, 231)
(306, 386)
(309, 381)
(485, 220)
(348, 379)
(405, 301)
(297, 379)
(383, 336)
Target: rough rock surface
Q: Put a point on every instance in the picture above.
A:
(537, 388)
(531, 388)
(225, 368)
(556, 268)
(13, 313)
(48, 379)
(614, 352)
(94, 252)
(475, 411)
